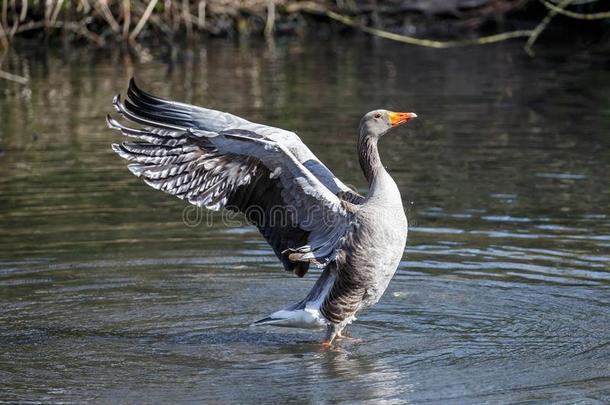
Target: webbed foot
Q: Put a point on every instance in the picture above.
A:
(349, 338)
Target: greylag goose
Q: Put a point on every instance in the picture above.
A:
(217, 160)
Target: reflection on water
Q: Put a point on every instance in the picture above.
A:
(502, 296)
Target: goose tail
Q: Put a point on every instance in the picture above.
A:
(306, 318)
(305, 314)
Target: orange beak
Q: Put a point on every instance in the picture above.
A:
(398, 118)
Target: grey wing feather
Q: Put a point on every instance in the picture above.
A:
(315, 208)
(175, 114)
(237, 169)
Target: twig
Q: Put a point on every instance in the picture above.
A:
(578, 16)
(24, 10)
(73, 26)
(154, 19)
(186, 16)
(540, 27)
(167, 9)
(13, 77)
(14, 18)
(201, 14)
(47, 10)
(270, 18)
(175, 16)
(126, 17)
(490, 39)
(86, 6)
(4, 12)
(3, 38)
(107, 14)
(30, 26)
(575, 2)
(56, 11)
(305, 6)
(143, 20)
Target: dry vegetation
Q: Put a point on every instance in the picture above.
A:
(102, 22)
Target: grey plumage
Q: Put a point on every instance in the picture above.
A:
(217, 160)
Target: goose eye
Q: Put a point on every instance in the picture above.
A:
(377, 115)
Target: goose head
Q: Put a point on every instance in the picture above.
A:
(377, 122)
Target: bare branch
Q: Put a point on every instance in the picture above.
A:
(143, 20)
(13, 77)
(578, 16)
(490, 39)
(538, 30)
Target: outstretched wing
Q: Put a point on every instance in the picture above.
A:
(236, 168)
(188, 116)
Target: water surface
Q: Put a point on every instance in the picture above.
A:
(503, 293)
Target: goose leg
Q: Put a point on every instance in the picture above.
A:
(340, 335)
(332, 331)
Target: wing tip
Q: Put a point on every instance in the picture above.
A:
(112, 123)
(138, 95)
(133, 91)
(116, 102)
(265, 321)
(119, 149)
(137, 169)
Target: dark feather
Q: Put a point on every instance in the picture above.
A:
(217, 160)
(176, 162)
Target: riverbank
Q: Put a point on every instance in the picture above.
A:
(104, 23)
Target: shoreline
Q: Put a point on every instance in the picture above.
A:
(106, 23)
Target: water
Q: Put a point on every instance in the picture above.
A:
(503, 293)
